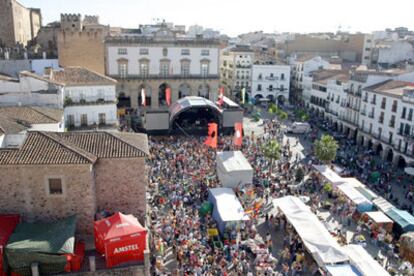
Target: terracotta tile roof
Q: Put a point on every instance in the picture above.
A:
(391, 87)
(10, 126)
(322, 76)
(107, 144)
(74, 148)
(38, 77)
(40, 148)
(33, 115)
(72, 76)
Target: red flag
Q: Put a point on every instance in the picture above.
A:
(168, 95)
(238, 134)
(143, 100)
(211, 140)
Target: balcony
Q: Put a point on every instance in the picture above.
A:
(383, 105)
(394, 108)
(363, 113)
(243, 66)
(272, 78)
(391, 124)
(381, 120)
(93, 101)
(168, 77)
(371, 115)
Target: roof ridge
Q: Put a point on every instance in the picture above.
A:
(124, 141)
(87, 155)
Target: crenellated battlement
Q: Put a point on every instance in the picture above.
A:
(71, 21)
(91, 20)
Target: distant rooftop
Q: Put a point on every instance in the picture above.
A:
(322, 76)
(391, 87)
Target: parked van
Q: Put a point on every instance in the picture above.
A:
(299, 128)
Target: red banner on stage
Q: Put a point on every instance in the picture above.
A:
(211, 140)
(221, 96)
(143, 99)
(238, 134)
(168, 95)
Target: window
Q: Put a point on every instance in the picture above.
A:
(204, 69)
(185, 68)
(381, 118)
(84, 119)
(374, 99)
(259, 87)
(55, 186)
(282, 77)
(392, 121)
(164, 68)
(282, 88)
(102, 118)
(383, 103)
(122, 51)
(205, 52)
(144, 68)
(259, 77)
(143, 51)
(271, 75)
(407, 129)
(186, 52)
(410, 114)
(401, 130)
(122, 69)
(165, 52)
(394, 106)
(404, 111)
(270, 87)
(70, 120)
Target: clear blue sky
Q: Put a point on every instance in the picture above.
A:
(238, 16)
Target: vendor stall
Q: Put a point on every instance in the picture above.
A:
(43, 243)
(379, 220)
(365, 264)
(362, 204)
(227, 211)
(404, 221)
(233, 169)
(121, 238)
(407, 247)
(329, 174)
(382, 204)
(316, 238)
(7, 225)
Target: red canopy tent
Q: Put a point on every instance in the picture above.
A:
(121, 238)
(7, 225)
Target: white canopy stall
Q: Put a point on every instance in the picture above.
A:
(362, 203)
(329, 174)
(382, 204)
(315, 236)
(233, 169)
(365, 264)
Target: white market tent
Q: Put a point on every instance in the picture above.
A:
(342, 270)
(233, 169)
(363, 261)
(382, 204)
(227, 207)
(379, 217)
(316, 238)
(362, 203)
(329, 174)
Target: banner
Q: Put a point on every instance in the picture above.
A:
(238, 134)
(243, 95)
(168, 95)
(211, 140)
(143, 99)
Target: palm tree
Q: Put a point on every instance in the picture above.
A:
(326, 148)
(272, 151)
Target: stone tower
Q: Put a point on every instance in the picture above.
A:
(81, 42)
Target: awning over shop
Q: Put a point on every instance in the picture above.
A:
(329, 174)
(313, 233)
(363, 261)
(379, 217)
(363, 204)
(382, 204)
(402, 218)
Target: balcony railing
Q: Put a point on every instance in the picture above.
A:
(70, 102)
(170, 77)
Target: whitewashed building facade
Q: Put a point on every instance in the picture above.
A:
(271, 81)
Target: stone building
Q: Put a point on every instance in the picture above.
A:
(50, 175)
(158, 61)
(81, 42)
(18, 23)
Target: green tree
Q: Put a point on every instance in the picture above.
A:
(272, 150)
(300, 174)
(325, 149)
